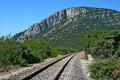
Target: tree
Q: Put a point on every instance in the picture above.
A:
(107, 46)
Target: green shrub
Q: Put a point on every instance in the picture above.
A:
(85, 55)
(107, 46)
(103, 46)
(10, 51)
(26, 55)
(38, 48)
(91, 37)
(13, 53)
(106, 69)
(55, 52)
(62, 51)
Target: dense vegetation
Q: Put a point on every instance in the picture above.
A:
(10, 51)
(105, 69)
(15, 53)
(104, 46)
(90, 38)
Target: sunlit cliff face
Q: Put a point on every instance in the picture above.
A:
(67, 15)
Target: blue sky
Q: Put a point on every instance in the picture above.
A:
(18, 15)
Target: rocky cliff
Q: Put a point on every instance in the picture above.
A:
(75, 19)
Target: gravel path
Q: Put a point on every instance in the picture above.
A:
(51, 72)
(73, 70)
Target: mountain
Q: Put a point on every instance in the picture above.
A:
(65, 28)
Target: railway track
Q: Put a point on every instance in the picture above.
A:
(64, 68)
(56, 66)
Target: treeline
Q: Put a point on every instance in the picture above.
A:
(21, 53)
(104, 46)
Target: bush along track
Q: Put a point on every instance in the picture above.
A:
(15, 53)
(104, 47)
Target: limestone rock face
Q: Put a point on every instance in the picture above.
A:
(67, 15)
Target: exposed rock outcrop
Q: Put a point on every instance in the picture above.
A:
(67, 14)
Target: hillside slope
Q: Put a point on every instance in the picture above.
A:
(65, 28)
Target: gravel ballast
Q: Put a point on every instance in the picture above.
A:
(74, 71)
(23, 72)
(51, 72)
